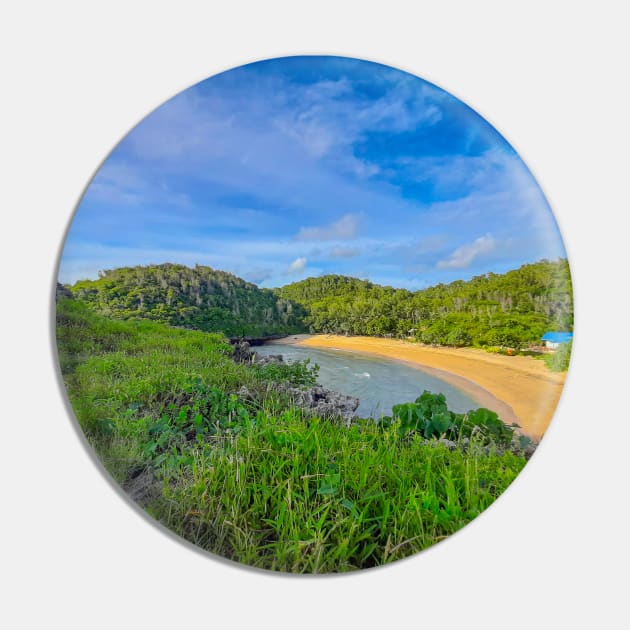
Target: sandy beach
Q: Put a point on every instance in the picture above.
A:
(520, 389)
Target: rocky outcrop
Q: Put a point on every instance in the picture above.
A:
(316, 401)
(62, 291)
(242, 352)
(323, 402)
(465, 445)
(266, 360)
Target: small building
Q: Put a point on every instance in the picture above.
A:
(554, 340)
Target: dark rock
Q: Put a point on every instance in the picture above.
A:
(242, 352)
(269, 359)
(448, 443)
(317, 400)
(530, 449)
(62, 291)
(323, 402)
(523, 446)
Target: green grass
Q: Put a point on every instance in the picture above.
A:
(257, 480)
(559, 360)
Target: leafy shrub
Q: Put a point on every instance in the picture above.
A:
(430, 416)
(208, 411)
(458, 337)
(485, 422)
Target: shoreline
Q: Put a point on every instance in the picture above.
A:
(520, 389)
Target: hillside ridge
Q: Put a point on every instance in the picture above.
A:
(197, 297)
(510, 309)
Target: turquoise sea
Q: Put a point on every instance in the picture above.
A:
(378, 382)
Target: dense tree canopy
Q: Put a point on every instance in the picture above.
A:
(512, 309)
(200, 298)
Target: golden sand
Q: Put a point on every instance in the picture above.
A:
(520, 389)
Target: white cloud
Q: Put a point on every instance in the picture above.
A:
(344, 252)
(344, 228)
(328, 116)
(362, 168)
(297, 265)
(463, 256)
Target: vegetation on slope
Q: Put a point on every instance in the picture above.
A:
(201, 298)
(559, 360)
(512, 309)
(257, 480)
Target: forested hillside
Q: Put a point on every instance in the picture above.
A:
(200, 298)
(511, 309)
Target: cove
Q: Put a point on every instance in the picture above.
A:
(379, 383)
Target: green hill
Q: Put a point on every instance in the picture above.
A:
(201, 298)
(252, 477)
(511, 309)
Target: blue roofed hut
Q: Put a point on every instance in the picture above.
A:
(554, 340)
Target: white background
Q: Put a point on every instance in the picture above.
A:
(552, 77)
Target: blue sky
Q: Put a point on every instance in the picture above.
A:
(301, 166)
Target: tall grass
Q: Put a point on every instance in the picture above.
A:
(257, 480)
(558, 361)
(305, 496)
